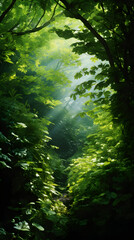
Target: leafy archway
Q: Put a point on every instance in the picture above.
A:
(41, 42)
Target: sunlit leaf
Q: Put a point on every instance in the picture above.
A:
(22, 226)
(4, 165)
(38, 226)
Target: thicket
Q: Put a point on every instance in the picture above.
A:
(97, 164)
(29, 205)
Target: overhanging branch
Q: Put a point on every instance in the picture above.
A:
(7, 10)
(99, 37)
(87, 24)
(36, 28)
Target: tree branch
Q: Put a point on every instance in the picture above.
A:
(60, 4)
(13, 27)
(36, 29)
(86, 23)
(99, 37)
(7, 10)
(40, 19)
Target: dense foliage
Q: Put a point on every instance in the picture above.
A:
(101, 183)
(62, 174)
(29, 204)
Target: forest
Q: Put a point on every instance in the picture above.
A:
(66, 119)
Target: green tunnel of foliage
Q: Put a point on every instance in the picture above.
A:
(85, 188)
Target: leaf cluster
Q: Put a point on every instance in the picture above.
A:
(106, 33)
(29, 207)
(100, 182)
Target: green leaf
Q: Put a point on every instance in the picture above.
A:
(100, 85)
(73, 96)
(2, 232)
(38, 169)
(89, 84)
(94, 59)
(93, 70)
(78, 75)
(107, 94)
(21, 125)
(5, 157)
(38, 226)
(82, 114)
(22, 226)
(4, 165)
